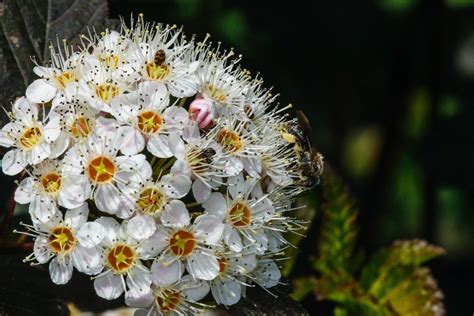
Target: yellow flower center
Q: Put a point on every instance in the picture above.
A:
(62, 240)
(107, 92)
(30, 137)
(182, 243)
(217, 94)
(229, 140)
(65, 78)
(168, 300)
(121, 258)
(51, 182)
(111, 61)
(80, 127)
(149, 122)
(151, 200)
(239, 215)
(157, 72)
(101, 169)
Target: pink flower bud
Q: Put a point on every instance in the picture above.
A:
(201, 111)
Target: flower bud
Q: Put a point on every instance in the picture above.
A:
(201, 111)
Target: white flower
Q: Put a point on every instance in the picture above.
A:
(221, 80)
(179, 298)
(105, 176)
(122, 255)
(65, 68)
(244, 211)
(155, 201)
(150, 120)
(240, 145)
(164, 56)
(99, 87)
(115, 53)
(44, 188)
(200, 158)
(182, 243)
(70, 242)
(29, 136)
(233, 269)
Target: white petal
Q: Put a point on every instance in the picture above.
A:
(268, 273)
(176, 185)
(209, 229)
(140, 301)
(75, 192)
(195, 290)
(233, 166)
(43, 208)
(90, 234)
(232, 239)
(60, 271)
(131, 140)
(41, 250)
(77, 216)
(59, 146)
(201, 191)
(181, 167)
(151, 247)
(13, 162)
(141, 227)
(111, 227)
(175, 214)
(5, 139)
(176, 116)
(24, 193)
(108, 286)
(107, 198)
(203, 266)
(139, 282)
(227, 292)
(155, 94)
(52, 129)
(40, 91)
(159, 146)
(216, 205)
(166, 271)
(87, 260)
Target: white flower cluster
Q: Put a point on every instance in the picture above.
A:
(156, 165)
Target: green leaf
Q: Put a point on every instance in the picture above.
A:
(338, 228)
(302, 287)
(28, 28)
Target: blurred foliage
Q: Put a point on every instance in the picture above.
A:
(390, 282)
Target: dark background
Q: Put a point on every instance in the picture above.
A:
(387, 86)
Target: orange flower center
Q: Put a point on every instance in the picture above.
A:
(149, 122)
(229, 140)
(51, 182)
(65, 78)
(80, 127)
(168, 300)
(107, 92)
(101, 169)
(157, 72)
(62, 240)
(151, 200)
(182, 243)
(30, 137)
(121, 258)
(239, 215)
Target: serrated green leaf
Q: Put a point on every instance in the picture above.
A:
(338, 230)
